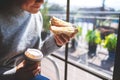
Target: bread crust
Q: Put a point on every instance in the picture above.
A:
(59, 23)
(59, 26)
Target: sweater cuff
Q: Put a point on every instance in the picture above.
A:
(49, 46)
(10, 72)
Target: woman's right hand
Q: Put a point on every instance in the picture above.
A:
(26, 72)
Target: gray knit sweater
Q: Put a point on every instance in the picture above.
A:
(23, 32)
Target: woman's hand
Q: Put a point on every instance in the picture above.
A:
(26, 72)
(62, 39)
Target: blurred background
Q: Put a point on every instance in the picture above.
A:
(91, 53)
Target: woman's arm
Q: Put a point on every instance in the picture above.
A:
(49, 45)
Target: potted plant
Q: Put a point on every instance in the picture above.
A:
(93, 38)
(74, 43)
(79, 31)
(110, 43)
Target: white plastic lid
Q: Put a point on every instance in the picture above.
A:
(34, 54)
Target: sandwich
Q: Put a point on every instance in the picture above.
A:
(59, 23)
(59, 26)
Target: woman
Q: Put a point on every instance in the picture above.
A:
(20, 28)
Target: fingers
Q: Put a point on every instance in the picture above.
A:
(32, 71)
(61, 39)
(58, 42)
(27, 72)
(37, 71)
(21, 65)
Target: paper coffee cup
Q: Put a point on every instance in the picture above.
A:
(33, 55)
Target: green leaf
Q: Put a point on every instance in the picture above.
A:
(93, 37)
(110, 42)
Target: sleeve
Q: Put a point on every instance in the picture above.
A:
(10, 71)
(49, 46)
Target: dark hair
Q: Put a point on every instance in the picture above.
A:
(10, 7)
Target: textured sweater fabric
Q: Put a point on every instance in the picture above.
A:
(23, 32)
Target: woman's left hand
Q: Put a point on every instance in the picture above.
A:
(24, 72)
(62, 39)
